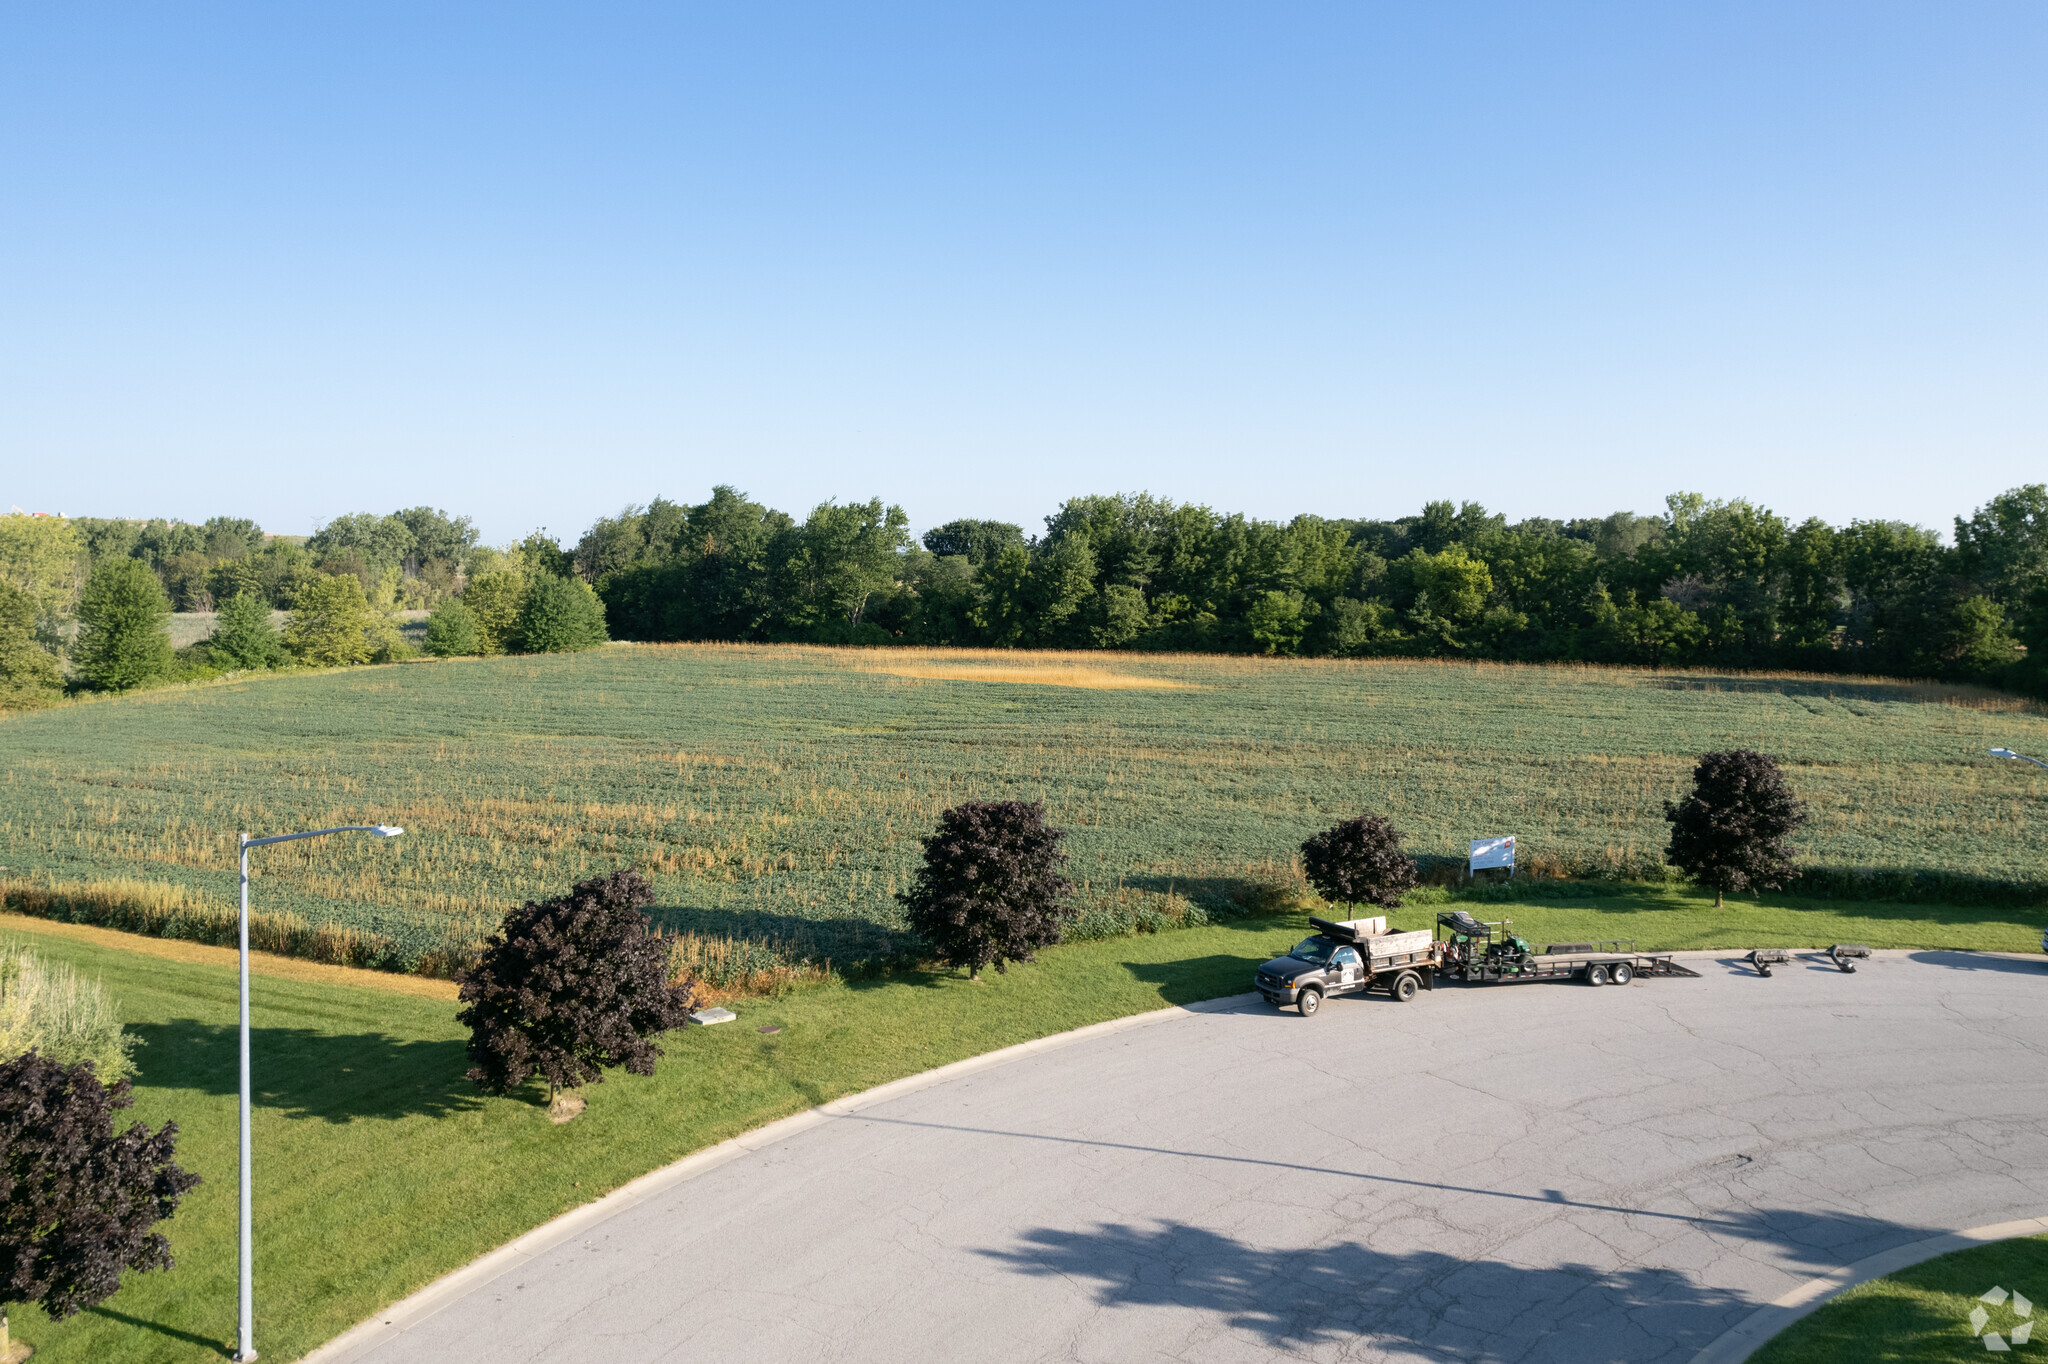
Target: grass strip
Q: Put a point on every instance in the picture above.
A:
(1922, 1315)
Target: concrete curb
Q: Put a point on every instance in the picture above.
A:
(1748, 1336)
(401, 1316)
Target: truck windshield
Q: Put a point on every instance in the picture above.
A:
(1316, 950)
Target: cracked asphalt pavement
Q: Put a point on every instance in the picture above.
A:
(1535, 1172)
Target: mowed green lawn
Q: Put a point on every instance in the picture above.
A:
(380, 1168)
(1922, 1315)
(779, 793)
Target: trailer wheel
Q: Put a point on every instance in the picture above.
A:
(1404, 987)
(1308, 1002)
(1596, 974)
(1622, 974)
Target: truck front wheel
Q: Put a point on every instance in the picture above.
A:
(1309, 1002)
(1404, 987)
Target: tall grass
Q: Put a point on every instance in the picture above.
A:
(50, 1008)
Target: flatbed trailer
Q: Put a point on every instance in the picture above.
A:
(1472, 952)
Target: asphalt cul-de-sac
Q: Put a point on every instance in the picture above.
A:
(1510, 1173)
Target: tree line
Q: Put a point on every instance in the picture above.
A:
(85, 603)
(1706, 583)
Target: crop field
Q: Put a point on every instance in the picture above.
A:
(777, 795)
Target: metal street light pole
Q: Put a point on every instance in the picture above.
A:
(2008, 753)
(245, 1351)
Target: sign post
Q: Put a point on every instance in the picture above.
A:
(1491, 852)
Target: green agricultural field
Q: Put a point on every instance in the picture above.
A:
(778, 793)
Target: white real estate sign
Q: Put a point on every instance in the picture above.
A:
(1493, 852)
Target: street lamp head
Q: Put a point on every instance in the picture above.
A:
(387, 831)
(2003, 753)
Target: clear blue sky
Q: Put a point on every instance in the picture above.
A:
(287, 261)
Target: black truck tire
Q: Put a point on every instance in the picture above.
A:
(1596, 974)
(1622, 973)
(1308, 1001)
(1404, 987)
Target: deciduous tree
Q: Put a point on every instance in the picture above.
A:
(452, 631)
(1359, 862)
(331, 622)
(570, 985)
(1732, 833)
(123, 637)
(79, 1203)
(29, 676)
(243, 636)
(990, 890)
(560, 616)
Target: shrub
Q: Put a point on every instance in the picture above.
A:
(452, 631)
(78, 1203)
(49, 1008)
(330, 622)
(1731, 833)
(559, 616)
(1359, 862)
(123, 639)
(568, 986)
(29, 676)
(495, 600)
(990, 890)
(243, 636)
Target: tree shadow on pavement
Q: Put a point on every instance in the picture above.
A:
(1973, 961)
(1428, 1304)
(334, 1077)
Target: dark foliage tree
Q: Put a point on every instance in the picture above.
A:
(78, 1201)
(1731, 833)
(1359, 862)
(123, 618)
(990, 890)
(570, 985)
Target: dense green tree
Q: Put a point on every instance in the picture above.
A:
(123, 639)
(29, 676)
(243, 636)
(435, 535)
(977, 542)
(497, 600)
(452, 631)
(47, 558)
(331, 623)
(362, 539)
(560, 616)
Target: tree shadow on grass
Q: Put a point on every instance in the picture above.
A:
(1193, 979)
(1434, 1305)
(1232, 896)
(851, 939)
(308, 1074)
